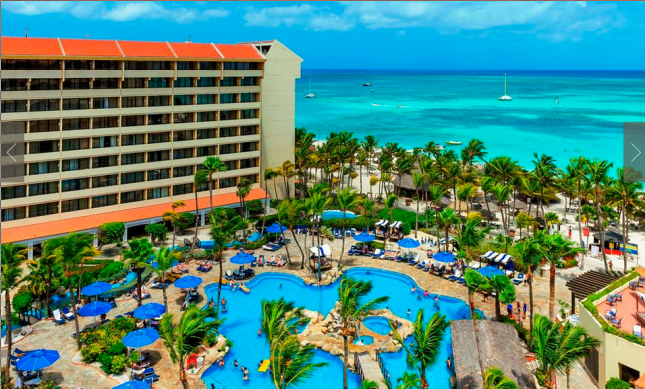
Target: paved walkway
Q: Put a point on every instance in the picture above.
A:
(371, 370)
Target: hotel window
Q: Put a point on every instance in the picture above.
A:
(158, 193)
(104, 201)
(131, 178)
(228, 115)
(180, 136)
(70, 165)
(228, 81)
(230, 165)
(105, 102)
(206, 82)
(154, 120)
(43, 126)
(78, 65)
(101, 142)
(227, 132)
(240, 66)
(183, 82)
(26, 64)
(182, 153)
(206, 99)
(106, 122)
(105, 161)
(206, 116)
(183, 118)
(43, 209)
(185, 65)
(227, 149)
(249, 130)
(227, 182)
(208, 65)
(75, 184)
(74, 205)
(249, 146)
(15, 85)
(76, 144)
(158, 101)
(14, 128)
(76, 84)
(9, 106)
(132, 140)
(159, 83)
(14, 192)
(158, 137)
(183, 100)
(36, 168)
(106, 83)
(43, 188)
(249, 81)
(133, 83)
(73, 104)
(178, 190)
(106, 65)
(206, 151)
(182, 171)
(13, 214)
(133, 102)
(103, 181)
(253, 178)
(157, 156)
(207, 133)
(132, 159)
(227, 98)
(131, 121)
(131, 197)
(248, 97)
(45, 84)
(248, 114)
(77, 124)
(159, 174)
(46, 146)
(44, 105)
(248, 163)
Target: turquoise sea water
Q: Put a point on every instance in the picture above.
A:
(461, 105)
(242, 321)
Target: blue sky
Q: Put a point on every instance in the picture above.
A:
(369, 35)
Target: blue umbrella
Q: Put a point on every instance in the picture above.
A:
(276, 228)
(490, 271)
(140, 338)
(444, 256)
(133, 385)
(96, 308)
(37, 360)
(188, 282)
(365, 237)
(96, 289)
(242, 259)
(149, 311)
(409, 243)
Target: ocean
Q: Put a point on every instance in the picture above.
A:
(415, 107)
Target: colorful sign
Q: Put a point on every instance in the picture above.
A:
(631, 248)
(585, 231)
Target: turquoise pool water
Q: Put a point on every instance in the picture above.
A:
(365, 339)
(331, 215)
(243, 321)
(254, 237)
(380, 325)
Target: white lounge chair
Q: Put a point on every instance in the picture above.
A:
(57, 317)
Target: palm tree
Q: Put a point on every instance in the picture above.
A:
(408, 381)
(475, 282)
(403, 166)
(44, 275)
(597, 174)
(280, 319)
(12, 258)
(523, 220)
(347, 200)
(471, 235)
(373, 181)
(426, 344)
(367, 384)
(291, 213)
(269, 175)
(164, 258)
(352, 310)
(187, 336)
(287, 171)
(504, 292)
(474, 149)
(213, 165)
(291, 363)
(49, 259)
(435, 194)
(173, 218)
(136, 256)
(369, 145)
(557, 348)
(577, 169)
(201, 177)
(494, 379)
(530, 255)
(448, 218)
(419, 181)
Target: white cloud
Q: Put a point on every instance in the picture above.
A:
(276, 16)
(330, 22)
(400, 32)
(116, 12)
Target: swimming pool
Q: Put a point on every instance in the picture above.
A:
(331, 215)
(378, 324)
(243, 321)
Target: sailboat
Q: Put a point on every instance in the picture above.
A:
(365, 83)
(557, 101)
(505, 97)
(310, 94)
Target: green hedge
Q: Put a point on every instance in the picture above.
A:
(617, 383)
(103, 344)
(112, 232)
(22, 301)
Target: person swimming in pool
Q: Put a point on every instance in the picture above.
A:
(414, 289)
(409, 312)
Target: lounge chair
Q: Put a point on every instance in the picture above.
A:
(518, 280)
(638, 330)
(422, 265)
(611, 314)
(18, 352)
(414, 261)
(611, 300)
(618, 296)
(228, 275)
(617, 322)
(57, 317)
(282, 262)
(67, 313)
(378, 253)
(14, 360)
(455, 277)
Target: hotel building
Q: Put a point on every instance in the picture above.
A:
(97, 131)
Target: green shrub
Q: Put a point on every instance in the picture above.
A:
(268, 220)
(106, 362)
(50, 384)
(116, 349)
(211, 339)
(522, 332)
(377, 244)
(186, 220)
(255, 206)
(91, 352)
(112, 232)
(541, 377)
(110, 270)
(617, 383)
(157, 231)
(118, 364)
(104, 343)
(257, 244)
(22, 301)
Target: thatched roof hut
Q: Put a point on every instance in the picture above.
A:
(499, 346)
(406, 183)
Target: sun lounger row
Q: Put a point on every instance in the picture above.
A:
(498, 258)
(62, 316)
(361, 250)
(239, 274)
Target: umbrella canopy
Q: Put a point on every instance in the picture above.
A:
(242, 259)
(333, 215)
(37, 360)
(149, 311)
(140, 338)
(188, 282)
(276, 228)
(133, 385)
(490, 271)
(96, 289)
(96, 308)
(365, 237)
(409, 243)
(444, 256)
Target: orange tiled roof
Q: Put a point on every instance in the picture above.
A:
(31, 46)
(239, 51)
(146, 49)
(83, 223)
(195, 50)
(90, 48)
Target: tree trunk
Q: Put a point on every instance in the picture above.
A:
(9, 335)
(423, 379)
(342, 250)
(498, 310)
(625, 239)
(182, 376)
(196, 219)
(275, 190)
(302, 263)
(219, 284)
(582, 260)
(530, 276)
(266, 203)
(601, 230)
(139, 297)
(552, 290)
(163, 291)
(210, 189)
(78, 328)
(447, 227)
(416, 225)
(345, 356)
(49, 287)
(360, 177)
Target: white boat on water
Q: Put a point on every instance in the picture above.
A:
(365, 83)
(310, 95)
(375, 105)
(557, 101)
(505, 97)
(453, 143)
